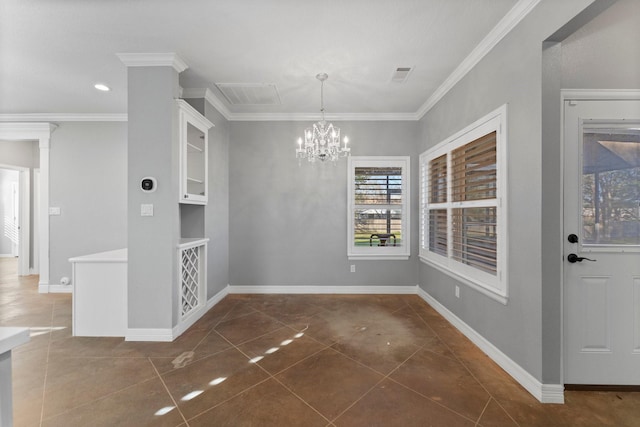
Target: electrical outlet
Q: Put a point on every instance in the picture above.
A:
(353, 268)
(457, 291)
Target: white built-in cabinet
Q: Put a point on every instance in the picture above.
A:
(193, 130)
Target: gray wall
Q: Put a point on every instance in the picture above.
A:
(605, 53)
(217, 210)
(87, 179)
(511, 73)
(288, 222)
(153, 151)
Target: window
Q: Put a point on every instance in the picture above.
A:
(378, 208)
(463, 220)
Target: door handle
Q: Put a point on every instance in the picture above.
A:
(575, 258)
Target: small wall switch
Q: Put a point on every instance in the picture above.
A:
(146, 210)
(54, 210)
(457, 291)
(353, 268)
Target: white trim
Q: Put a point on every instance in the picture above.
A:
(494, 286)
(168, 335)
(319, 289)
(506, 24)
(599, 94)
(168, 59)
(222, 108)
(401, 252)
(211, 302)
(545, 393)
(64, 117)
(45, 288)
(149, 334)
(313, 117)
(503, 299)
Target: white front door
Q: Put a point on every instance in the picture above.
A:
(602, 242)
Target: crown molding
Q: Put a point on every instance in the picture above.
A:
(219, 105)
(153, 60)
(26, 130)
(506, 24)
(64, 117)
(336, 117)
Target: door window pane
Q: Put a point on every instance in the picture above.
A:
(611, 186)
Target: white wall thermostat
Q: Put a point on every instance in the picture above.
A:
(148, 184)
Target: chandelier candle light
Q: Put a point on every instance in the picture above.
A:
(322, 141)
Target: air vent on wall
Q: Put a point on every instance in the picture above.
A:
(401, 74)
(250, 93)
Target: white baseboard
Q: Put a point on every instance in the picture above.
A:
(168, 335)
(45, 288)
(217, 297)
(7, 256)
(235, 289)
(545, 393)
(149, 334)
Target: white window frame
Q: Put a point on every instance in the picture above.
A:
(401, 252)
(494, 286)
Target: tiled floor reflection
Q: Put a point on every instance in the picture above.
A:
(277, 360)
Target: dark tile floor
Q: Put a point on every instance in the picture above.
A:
(277, 360)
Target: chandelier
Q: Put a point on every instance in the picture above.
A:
(322, 141)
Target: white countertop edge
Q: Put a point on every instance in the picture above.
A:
(118, 255)
(187, 242)
(11, 337)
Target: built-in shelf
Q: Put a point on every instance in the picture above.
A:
(194, 147)
(194, 141)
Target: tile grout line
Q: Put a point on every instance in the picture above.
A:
(483, 411)
(168, 392)
(269, 375)
(455, 354)
(46, 363)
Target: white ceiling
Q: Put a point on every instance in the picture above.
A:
(53, 52)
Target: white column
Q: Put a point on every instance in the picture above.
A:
(43, 216)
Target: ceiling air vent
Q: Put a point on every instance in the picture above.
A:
(401, 74)
(250, 93)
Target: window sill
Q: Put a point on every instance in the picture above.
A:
(377, 257)
(493, 294)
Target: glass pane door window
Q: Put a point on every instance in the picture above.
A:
(611, 186)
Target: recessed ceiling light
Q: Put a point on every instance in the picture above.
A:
(102, 87)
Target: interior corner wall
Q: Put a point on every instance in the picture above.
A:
(217, 208)
(87, 181)
(551, 204)
(289, 221)
(509, 74)
(605, 53)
